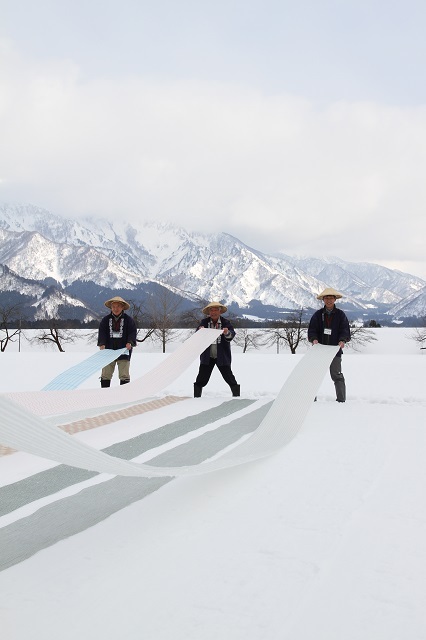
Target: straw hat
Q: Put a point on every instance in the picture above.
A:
(222, 307)
(125, 304)
(329, 292)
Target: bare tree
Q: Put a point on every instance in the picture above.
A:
(360, 337)
(142, 320)
(290, 333)
(9, 315)
(91, 336)
(248, 339)
(163, 313)
(419, 334)
(55, 335)
(191, 317)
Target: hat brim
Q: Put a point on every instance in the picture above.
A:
(125, 304)
(221, 307)
(337, 296)
(329, 291)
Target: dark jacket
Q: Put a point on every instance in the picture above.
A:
(223, 343)
(339, 325)
(124, 329)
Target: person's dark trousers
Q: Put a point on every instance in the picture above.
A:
(205, 372)
(338, 379)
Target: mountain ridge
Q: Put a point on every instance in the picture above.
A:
(37, 245)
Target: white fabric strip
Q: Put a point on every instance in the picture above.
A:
(21, 430)
(73, 377)
(48, 403)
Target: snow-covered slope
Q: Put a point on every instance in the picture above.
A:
(36, 244)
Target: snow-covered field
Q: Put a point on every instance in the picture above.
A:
(322, 541)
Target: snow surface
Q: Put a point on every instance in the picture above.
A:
(324, 540)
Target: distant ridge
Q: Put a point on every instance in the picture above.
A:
(54, 262)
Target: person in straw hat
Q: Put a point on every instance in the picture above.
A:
(330, 325)
(219, 353)
(116, 331)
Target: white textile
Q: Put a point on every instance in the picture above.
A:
(22, 430)
(45, 403)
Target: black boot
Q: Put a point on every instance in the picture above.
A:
(197, 391)
(105, 383)
(235, 390)
(124, 381)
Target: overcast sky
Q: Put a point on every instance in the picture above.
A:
(297, 126)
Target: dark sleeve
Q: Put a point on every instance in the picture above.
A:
(102, 332)
(203, 323)
(228, 325)
(131, 331)
(344, 329)
(314, 328)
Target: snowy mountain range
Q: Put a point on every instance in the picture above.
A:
(65, 268)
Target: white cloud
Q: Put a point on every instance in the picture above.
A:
(274, 170)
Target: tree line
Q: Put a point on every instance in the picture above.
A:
(160, 319)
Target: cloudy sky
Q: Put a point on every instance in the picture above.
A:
(298, 127)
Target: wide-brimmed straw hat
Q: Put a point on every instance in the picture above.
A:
(221, 306)
(329, 292)
(125, 304)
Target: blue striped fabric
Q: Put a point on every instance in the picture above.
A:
(74, 376)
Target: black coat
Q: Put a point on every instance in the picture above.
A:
(340, 330)
(223, 344)
(126, 333)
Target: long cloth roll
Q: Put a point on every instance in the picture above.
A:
(45, 403)
(24, 431)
